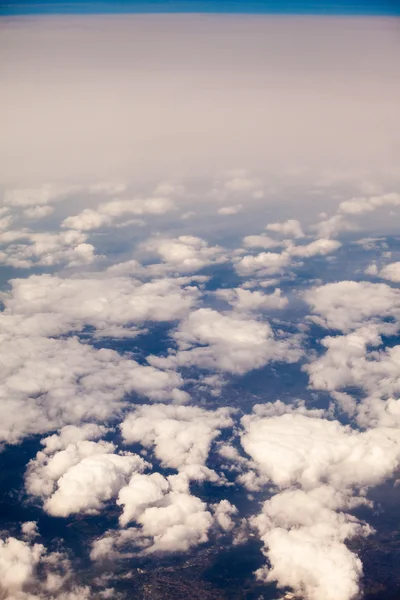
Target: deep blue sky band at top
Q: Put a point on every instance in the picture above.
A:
(327, 7)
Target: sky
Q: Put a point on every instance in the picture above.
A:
(336, 7)
(200, 303)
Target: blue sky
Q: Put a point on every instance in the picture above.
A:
(345, 7)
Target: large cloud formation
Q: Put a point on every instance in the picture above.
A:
(150, 320)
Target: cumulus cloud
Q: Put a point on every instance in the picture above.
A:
(186, 253)
(109, 212)
(247, 301)
(272, 263)
(290, 228)
(260, 241)
(81, 476)
(357, 206)
(343, 220)
(227, 342)
(323, 469)
(180, 435)
(48, 383)
(391, 272)
(167, 517)
(113, 306)
(230, 210)
(346, 305)
(265, 263)
(23, 249)
(29, 572)
(40, 196)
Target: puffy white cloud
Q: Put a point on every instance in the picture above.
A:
(185, 253)
(391, 272)
(38, 212)
(29, 572)
(260, 241)
(29, 529)
(346, 305)
(290, 228)
(108, 212)
(45, 249)
(51, 305)
(332, 226)
(5, 222)
(167, 518)
(265, 263)
(82, 475)
(247, 301)
(27, 197)
(357, 361)
(321, 465)
(304, 538)
(271, 263)
(180, 435)
(297, 449)
(47, 383)
(342, 220)
(318, 247)
(228, 342)
(230, 210)
(357, 206)
(223, 512)
(17, 564)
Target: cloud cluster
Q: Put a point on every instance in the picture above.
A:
(321, 469)
(185, 254)
(24, 249)
(180, 435)
(28, 571)
(273, 263)
(74, 474)
(114, 305)
(109, 212)
(234, 343)
(243, 300)
(166, 518)
(346, 305)
(47, 383)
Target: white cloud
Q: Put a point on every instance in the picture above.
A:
(168, 518)
(391, 272)
(305, 539)
(40, 196)
(38, 212)
(108, 212)
(227, 342)
(45, 249)
(29, 572)
(114, 306)
(346, 305)
(357, 206)
(318, 247)
(290, 228)
(180, 435)
(186, 253)
(265, 263)
(81, 475)
(244, 300)
(271, 263)
(260, 241)
(357, 361)
(5, 222)
(47, 383)
(321, 466)
(230, 210)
